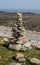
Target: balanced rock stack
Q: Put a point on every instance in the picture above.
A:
(19, 34)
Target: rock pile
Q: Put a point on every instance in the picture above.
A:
(19, 34)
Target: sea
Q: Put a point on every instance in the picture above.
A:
(22, 10)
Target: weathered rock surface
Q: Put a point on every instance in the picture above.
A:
(35, 60)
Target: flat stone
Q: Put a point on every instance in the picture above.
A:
(23, 39)
(19, 41)
(35, 60)
(21, 59)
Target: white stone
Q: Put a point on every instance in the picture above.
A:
(35, 60)
(5, 39)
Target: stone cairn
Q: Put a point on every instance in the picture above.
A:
(19, 34)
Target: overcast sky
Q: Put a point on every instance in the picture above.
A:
(19, 4)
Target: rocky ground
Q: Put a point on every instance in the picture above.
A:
(31, 35)
(6, 55)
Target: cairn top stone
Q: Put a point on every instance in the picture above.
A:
(19, 16)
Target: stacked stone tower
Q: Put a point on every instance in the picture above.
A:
(19, 34)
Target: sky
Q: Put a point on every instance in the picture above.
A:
(19, 4)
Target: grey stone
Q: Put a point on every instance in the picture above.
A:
(24, 49)
(15, 46)
(14, 63)
(28, 44)
(21, 59)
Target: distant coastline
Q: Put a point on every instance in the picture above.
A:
(30, 11)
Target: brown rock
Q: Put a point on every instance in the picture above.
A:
(19, 55)
(23, 39)
(20, 28)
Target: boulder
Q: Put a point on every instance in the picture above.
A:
(21, 59)
(15, 46)
(19, 55)
(35, 60)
